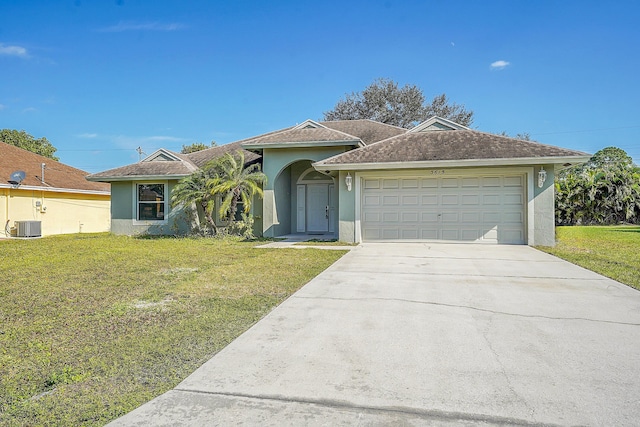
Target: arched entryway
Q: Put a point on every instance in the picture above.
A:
(305, 201)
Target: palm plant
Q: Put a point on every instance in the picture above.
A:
(236, 183)
(196, 190)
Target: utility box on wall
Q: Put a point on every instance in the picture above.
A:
(29, 228)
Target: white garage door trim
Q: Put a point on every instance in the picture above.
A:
(448, 177)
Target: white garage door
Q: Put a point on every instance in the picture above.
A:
(489, 209)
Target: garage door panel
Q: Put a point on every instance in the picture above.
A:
(390, 217)
(390, 183)
(487, 208)
(409, 199)
(470, 217)
(491, 217)
(470, 235)
(512, 199)
(430, 217)
(390, 234)
(410, 234)
(429, 200)
(471, 199)
(371, 184)
(513, 181)
(429, 234)
(450, 234)
(430, 183)
(371, 200)
(450, 217)
(371, 217)
(410, 217)
(450, 199)
(409, 183)
(449, 183)
(470, 182)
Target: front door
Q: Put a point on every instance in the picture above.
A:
(318, 208)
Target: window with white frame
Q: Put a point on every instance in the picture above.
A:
(151, 202)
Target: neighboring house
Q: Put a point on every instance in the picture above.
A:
(361, 180)
(54, 194)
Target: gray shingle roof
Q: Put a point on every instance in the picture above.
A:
(201, 158)
(367, 130)
(448, 145)
(309, 135)
(150, 168)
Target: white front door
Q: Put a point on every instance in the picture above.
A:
(318, 208)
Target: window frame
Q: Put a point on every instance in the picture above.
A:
(136, 204)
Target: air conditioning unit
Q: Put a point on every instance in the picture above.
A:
(29, 228)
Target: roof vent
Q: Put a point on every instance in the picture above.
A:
(17, 177)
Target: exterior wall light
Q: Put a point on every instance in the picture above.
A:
(542, 177)
(348, 180)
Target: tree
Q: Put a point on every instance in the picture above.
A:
(605, 190)
(196, 146)
(27, 142)
(236, 183)
(524, 136)
(385, 102)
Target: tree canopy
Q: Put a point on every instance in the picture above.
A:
(196, 146)
(22, 139)
(605, 190)
(384, 101)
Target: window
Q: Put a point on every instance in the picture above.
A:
(151, 202)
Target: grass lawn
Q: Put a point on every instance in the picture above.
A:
(611, 251)
(92, 326)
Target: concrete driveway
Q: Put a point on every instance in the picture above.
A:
(427, 334)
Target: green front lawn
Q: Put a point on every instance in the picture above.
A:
(92, 326)
(611, 251)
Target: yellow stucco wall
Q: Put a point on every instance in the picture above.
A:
(65, 213)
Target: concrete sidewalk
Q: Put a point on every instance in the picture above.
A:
(427, 334)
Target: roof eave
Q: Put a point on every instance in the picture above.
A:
(303, 144)
(134, 178)
(56, 189)
(454, 163)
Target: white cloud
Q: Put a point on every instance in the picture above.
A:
(142, 26)
(2, 107)
(13, 51)
(88, 135)
(499, 65)
(29, 110)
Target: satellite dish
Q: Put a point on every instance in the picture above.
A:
(17, 177)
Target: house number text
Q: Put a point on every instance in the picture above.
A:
(437, 172)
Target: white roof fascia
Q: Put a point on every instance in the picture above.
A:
(135, 178)
(310, 122)
(55, 189)
(435, 119)
(454, 163)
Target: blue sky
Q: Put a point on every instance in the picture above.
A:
(100, 78)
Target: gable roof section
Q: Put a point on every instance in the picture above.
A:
(162, 164)
(450, 147)
(367, 130)
(201, 158)
(57, 176)
(436, 123)
(307, 134)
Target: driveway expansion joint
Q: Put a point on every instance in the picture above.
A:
(432, 414)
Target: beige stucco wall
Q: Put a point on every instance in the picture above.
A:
(59, 212)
